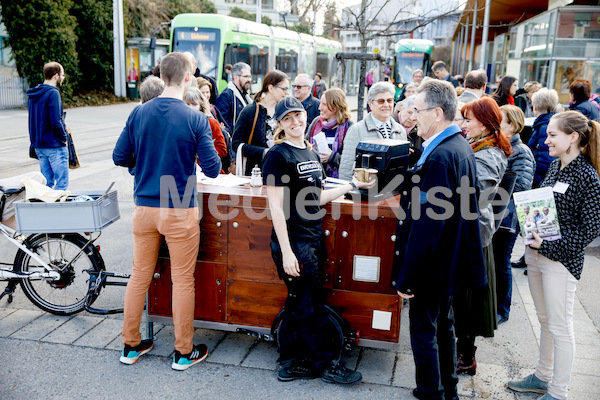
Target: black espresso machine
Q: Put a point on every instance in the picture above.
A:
(390, 158)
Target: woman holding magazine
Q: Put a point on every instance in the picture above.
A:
(554, 267)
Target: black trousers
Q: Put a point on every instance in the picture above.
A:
(302, 333)
(433, 344)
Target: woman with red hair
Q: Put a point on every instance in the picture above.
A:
(476, 309)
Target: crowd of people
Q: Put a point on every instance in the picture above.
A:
(455, 272)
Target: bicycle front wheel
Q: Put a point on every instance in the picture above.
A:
(67, 254)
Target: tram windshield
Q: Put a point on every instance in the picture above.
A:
(203, 43)
(407, 62)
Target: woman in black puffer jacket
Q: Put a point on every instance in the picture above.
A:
(521, 161)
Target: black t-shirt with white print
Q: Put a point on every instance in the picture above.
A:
(301, 172)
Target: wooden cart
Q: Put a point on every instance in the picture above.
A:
(236, 280)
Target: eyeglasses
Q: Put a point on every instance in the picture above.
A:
(285, 89)
(246, 76)
(299, 86)
(425, 109)
(383, 101)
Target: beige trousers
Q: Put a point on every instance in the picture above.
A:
(181, 230)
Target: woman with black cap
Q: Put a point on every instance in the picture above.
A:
(294, 177)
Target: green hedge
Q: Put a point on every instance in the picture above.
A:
(79, 35)
(41, 31)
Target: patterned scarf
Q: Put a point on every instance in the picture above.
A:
(484, 142)
(338, 140)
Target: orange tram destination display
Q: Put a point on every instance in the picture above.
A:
(237, 285)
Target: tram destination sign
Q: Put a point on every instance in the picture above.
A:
(196, 36)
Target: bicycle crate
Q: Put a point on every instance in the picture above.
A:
(70, 216)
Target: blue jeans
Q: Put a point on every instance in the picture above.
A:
(54, 165)
(503, 241)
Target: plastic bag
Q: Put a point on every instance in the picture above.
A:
(36, 190)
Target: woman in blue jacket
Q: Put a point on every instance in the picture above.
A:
(521, 162)
(544, 103)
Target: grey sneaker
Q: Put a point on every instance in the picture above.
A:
(548, 397)
(530, 383)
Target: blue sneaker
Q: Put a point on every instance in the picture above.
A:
(184, 361)
(130, 354)
(530, 383)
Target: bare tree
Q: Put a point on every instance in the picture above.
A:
(373, 19)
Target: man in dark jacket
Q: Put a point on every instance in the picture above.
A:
(47, 130)
(302, 86)
(438, 242)
(441, 72)
(235, 97)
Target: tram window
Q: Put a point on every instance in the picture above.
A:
(257, 58)
(322, 65)
(287, 61)
(203, 43)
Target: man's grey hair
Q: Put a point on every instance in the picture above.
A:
(418, 70)
(380, 87)
(309, 80)
(238, 68)
(440, 94)
(151, 87)
(545, 100)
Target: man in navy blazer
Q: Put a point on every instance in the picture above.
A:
(439, 246)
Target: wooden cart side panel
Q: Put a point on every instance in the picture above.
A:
(329, 229)
(213, 234)
(357, 309)
(364, 237)
(250, 249)
(159, 294)
(252, 303)
(210, 293)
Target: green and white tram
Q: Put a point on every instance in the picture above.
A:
(218, 40)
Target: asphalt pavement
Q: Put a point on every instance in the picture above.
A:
(43, 356)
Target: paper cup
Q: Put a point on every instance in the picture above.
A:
(370, 173)
(361, 174)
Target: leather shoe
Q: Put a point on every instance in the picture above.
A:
(464, 366)
(519, 264)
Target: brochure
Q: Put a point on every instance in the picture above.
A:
(536, 211)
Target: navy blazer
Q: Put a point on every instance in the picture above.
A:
(440, 255)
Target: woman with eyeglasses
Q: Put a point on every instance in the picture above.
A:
(256, 125)
(334, 122)
(475, 310)
(378, 124)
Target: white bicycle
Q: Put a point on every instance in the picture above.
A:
(50, 266)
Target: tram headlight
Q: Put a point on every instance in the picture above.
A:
(400, 85)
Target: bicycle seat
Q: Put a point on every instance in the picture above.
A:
(11, 190)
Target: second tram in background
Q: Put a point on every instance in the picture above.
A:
(218, 40)
(410, 55)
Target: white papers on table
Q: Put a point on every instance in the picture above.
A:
(223, 180)
(321, 142)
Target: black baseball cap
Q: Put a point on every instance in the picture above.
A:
(287, 105)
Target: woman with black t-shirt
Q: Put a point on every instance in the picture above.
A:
(298, 249)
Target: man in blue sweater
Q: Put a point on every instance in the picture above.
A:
(47, 129)
(161, 139)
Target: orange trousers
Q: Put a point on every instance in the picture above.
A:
(181, 230)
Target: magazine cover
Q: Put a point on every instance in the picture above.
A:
(536, 211)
